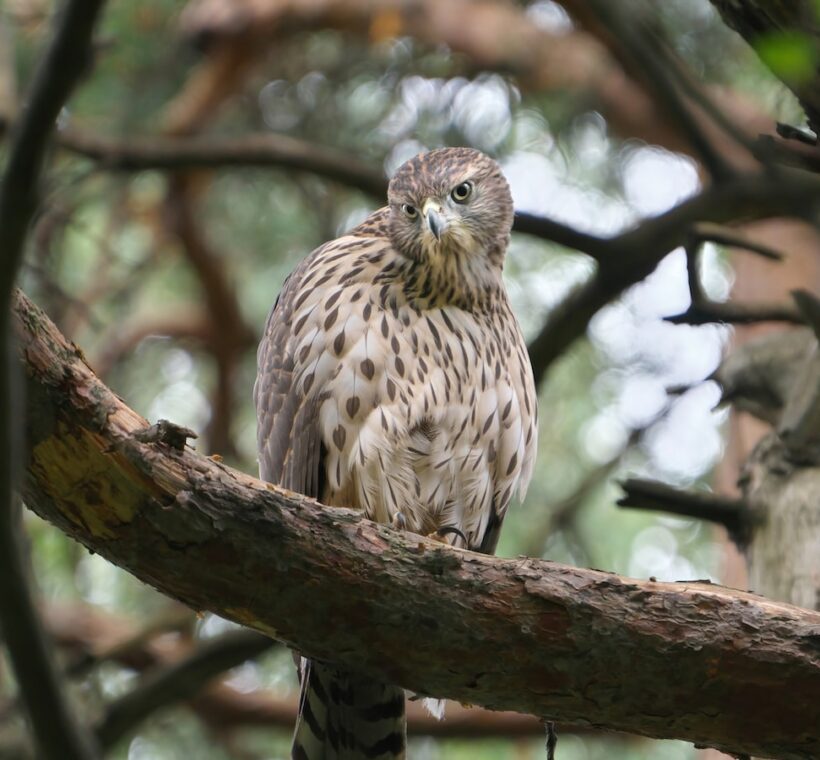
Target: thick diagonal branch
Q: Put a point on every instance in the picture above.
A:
(577, 645)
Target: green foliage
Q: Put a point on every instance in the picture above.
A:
(792, 56)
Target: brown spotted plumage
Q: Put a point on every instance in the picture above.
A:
(393, 378)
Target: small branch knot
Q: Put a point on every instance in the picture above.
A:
(166, 432)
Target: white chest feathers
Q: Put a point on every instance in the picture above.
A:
(425, 412)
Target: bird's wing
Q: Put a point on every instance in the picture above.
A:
(525, 402)
(289, 441)
(288, 437)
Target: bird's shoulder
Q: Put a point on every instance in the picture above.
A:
(376, 225)
(355, 256)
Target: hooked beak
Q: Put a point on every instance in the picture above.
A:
(436, 222)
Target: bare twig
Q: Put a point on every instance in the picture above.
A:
(809, 306)
(651, 61)
(179, 681)
(734, 514)
(255, 150)
(703, 312)
(55, 730)
(229, 335)
(629, 257)
(732, 238)
(775, 149)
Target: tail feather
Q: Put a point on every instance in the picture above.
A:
(347, 716)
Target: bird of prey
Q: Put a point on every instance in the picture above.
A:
(393, 378)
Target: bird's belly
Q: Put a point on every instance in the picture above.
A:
(414, 427)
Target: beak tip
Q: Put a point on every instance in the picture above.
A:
(436, 224)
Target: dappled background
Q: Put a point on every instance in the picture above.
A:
(165, 279)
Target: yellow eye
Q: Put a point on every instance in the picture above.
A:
(462, 192)
(411, 212)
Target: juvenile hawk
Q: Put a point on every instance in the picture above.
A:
(393, 378)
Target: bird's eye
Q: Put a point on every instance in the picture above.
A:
(461, 192)
(411, 212)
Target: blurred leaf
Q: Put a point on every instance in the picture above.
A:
(792, 56)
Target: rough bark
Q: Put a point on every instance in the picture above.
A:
(686, 660)
(777, 377)
(784, 555)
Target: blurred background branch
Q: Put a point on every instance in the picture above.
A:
(57, 732)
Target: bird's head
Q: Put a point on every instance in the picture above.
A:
(451, 202)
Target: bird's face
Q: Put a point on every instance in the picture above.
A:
(450, 202)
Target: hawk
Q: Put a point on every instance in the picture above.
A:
(393, 378)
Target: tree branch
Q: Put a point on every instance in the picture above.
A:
(255, 150)
(623, 260)
(629, 257)
(734, 514)
(95, 636)
(755, 20)
(562, 234)
(577, 645)
(179, 681)
(737, 313)
(56, 733)
(649, 60)
(284, 152)
(732, 238)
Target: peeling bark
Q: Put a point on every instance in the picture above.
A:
(784, 555)
(687, 660)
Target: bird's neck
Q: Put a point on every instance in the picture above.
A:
(456, 278)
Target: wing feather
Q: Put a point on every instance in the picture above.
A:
(289, 442)
(287, 420)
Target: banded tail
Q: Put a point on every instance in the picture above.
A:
(347, 716)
